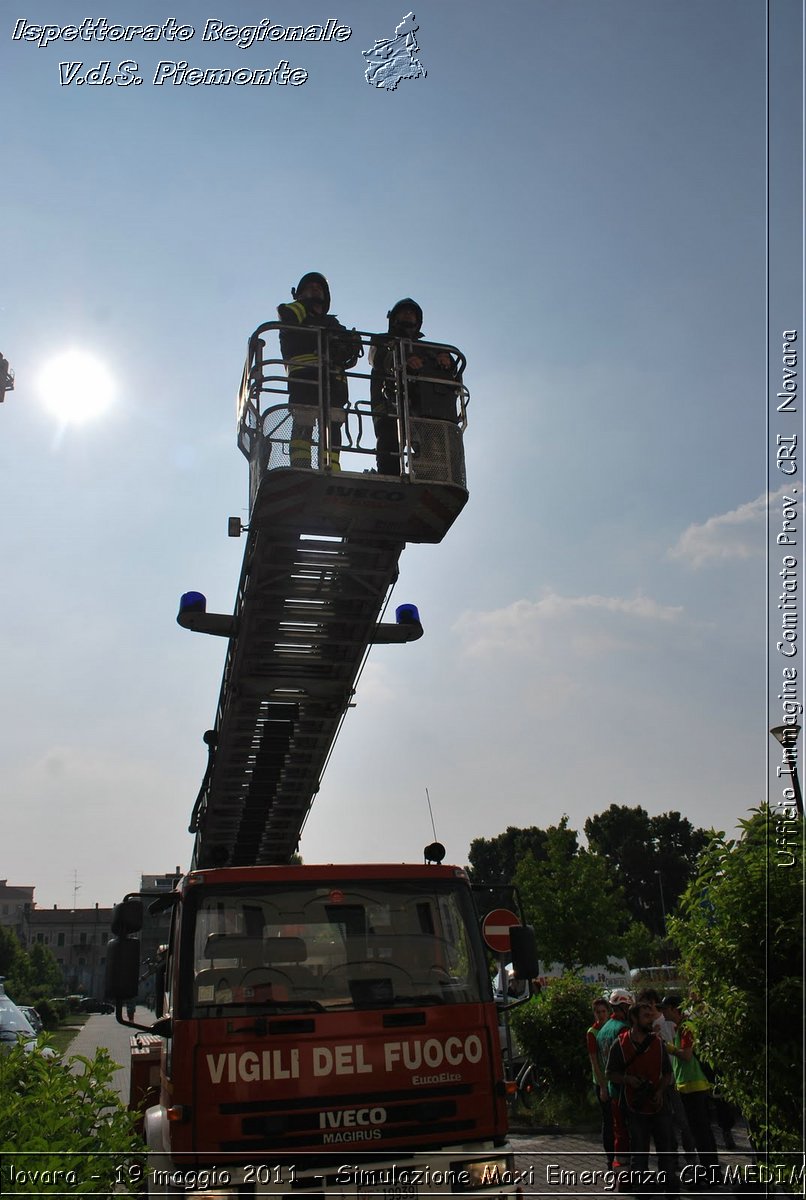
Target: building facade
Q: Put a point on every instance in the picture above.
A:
(16, 904)
(77, 938)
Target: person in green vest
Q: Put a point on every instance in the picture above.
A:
(601, 1013)
(618, 1021)
(693, 1086)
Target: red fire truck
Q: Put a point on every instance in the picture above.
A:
(320, 1029)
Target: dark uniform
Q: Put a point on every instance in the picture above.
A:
(300, 351)
(427, 398)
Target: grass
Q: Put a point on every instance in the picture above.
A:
(61, 1038)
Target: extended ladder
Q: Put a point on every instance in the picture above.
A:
(321, 557)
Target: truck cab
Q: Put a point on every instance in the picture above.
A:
(312, 1015)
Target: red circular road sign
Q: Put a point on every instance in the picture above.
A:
(495, 929)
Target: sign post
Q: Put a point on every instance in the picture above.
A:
(495, 930)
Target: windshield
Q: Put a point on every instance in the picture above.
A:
(312, 947)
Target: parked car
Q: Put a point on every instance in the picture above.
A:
(32, 1017)
(89, 1004)
(13, 1022)
(70, 1003)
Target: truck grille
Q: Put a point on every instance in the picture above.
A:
(433, 1115)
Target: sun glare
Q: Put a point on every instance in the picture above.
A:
(76, 387)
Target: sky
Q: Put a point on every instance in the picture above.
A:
(576, 194)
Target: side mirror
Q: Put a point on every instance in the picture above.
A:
(122, 969)
(127, 917)
(525, 959)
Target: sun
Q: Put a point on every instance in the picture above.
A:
(76, 386)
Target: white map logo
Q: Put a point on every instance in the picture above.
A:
(393, 59)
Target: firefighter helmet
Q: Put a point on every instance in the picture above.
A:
(406, 303)
(314, 277)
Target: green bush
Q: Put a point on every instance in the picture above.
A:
(551, 1030)
(56, 1119)
(741, 933)
(60, 1008)
(51, 1012)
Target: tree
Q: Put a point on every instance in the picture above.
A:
(571, 900)
(10, 949)
(641, 948)
(46, 974)
(28, 976)
(15, 966)
(652, 858)
(494, 860)
(741, 933)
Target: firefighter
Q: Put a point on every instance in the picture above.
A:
(426, 398)
(308, 312)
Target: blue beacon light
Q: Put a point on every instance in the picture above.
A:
(407, 614)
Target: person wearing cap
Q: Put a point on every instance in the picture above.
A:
(427, 396)
(638, 1065)
(692, 1084)
(308, 313)
(609, 1033)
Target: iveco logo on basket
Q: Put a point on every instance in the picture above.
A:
(348, 1117)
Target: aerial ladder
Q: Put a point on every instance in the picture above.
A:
(321, 556)
(302, 1008)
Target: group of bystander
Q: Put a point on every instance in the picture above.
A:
(651, 1086)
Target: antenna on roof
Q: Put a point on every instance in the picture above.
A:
(431, 814)
(436, 851)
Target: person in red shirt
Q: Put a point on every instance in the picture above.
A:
(639, 1065)
(665, 1031)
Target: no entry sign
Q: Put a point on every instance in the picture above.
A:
(495, 929)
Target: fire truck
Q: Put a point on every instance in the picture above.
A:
(320, 1029)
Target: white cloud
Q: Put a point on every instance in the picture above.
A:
(589, 624)
(739, 533)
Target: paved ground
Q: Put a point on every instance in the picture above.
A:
(103, 1030)
(565, 1165)
(568, 1165)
